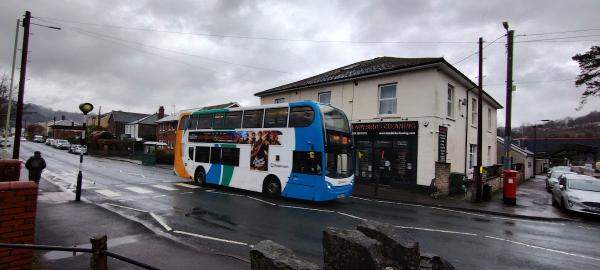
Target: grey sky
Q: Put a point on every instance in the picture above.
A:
(138, 70)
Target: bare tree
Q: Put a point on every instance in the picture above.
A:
(589, 63)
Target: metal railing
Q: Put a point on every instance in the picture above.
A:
(98, 260)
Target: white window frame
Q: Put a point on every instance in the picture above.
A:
(489, 118)
(474, 112)
(379, 99)
(279, 100)
(324, 93)
(472, 155)
(450, 101)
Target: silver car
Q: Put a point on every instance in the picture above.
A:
(558, 168)
(579, 193)
(553, 179)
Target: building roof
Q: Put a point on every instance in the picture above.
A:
(375, 67)
(65, 123)
(175, 117)
(515, 147)
(168, 118)
(127, 117)
(146, 120)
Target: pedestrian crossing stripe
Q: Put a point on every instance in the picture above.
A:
(165, 187)
(139, 190)
(107, 193)
(186, 185)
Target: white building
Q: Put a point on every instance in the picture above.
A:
(407, 114)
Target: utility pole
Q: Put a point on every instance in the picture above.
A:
(509, 86)
(23, 73)
(10, 91)
(479, 171)
(98, 117)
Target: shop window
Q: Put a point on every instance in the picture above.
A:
(233, 120)
(280, 100)
(325, 97)
(215, 155)
(253, 119)
(450, 101)
(202, 154)
(387, 99)
(276, 117)
(230, 156)
(307, 162)
(205, 121)
(301, 116)
(218, 120)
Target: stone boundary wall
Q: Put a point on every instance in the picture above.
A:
(18, 202)
(442, 178)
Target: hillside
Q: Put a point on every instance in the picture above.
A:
(581, 127)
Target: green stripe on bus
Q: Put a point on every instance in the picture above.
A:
(227, 175)
(210, 111)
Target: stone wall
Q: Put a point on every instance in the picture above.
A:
(18, 202)
(442, 178)
(371, 246)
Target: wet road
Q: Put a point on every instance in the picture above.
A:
(230, 221)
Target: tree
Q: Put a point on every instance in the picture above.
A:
(589, 63)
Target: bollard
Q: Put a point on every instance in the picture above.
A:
(98, 260)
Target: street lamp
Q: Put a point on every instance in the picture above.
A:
(85, 108)
(535, 145)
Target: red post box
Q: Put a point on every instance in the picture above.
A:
(509, 188)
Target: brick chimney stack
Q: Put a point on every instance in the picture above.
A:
(161, 112)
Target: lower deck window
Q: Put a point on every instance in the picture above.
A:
(202, 154)
(308, 162)
(230, 156)
(215, 155)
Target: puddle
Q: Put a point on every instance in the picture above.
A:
(212, 218)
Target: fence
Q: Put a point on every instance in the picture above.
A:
(493, 171)
(98, 260)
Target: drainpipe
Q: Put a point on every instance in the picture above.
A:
(466, 132)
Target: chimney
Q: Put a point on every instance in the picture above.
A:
(161, 112)
(62, 117)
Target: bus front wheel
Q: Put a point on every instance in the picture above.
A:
(200, 176)
(272, 187)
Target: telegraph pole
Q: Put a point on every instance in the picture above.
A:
(479, 171)
(23, 73)
(509, 86)
(10, 91)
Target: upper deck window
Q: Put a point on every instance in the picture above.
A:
(276, 117)
(301, 116)
(253, 119)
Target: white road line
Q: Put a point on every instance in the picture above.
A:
(212, 238)
(165, 187)
(189, 192)
(139, 190)
(158, 196)
(434, 230)
(399, 203)
(263, 201)
(543, 248)
(161, 222)
(224, 193)
(107, 193)
(456, 211)
(348, 215)
(130, 208)
(305, 208)
(186, 185)
(533, 221)
(359, 198)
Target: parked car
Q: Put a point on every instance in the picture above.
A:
(553, 179)
(49, 141)
(5, 142)
(558, 168)
(38, 138)
(73, 147)
(80, 150)
(579, 193)
(62, 144)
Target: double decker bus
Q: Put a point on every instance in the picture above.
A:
(298, 150)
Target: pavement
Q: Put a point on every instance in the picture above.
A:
(533, 201)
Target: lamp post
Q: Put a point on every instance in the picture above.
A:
(535, 146)
(85, 108)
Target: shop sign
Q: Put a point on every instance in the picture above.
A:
(386, 128)
(442, 143)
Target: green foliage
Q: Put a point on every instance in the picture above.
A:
(164, 156)
(589, 64)
(106, 135)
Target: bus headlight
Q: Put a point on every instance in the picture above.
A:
(328, 185)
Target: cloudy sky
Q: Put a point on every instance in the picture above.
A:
(138, 55)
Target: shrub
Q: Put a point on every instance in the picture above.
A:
(164, 156)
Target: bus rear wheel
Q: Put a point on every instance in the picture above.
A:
(200, 176)
(272, 187)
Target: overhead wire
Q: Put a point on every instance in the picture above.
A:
(476, 52)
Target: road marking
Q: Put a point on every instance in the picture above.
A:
(107, 193)
(186, 185)
(161, 222)
(158, 196)
(348, 215)
(165, 187)
(434, 230)
(399, 203)
(359, 198)
(212, 238)
(543, 248)
(456, 211)
(130, 208)
(139, 190)
(533, 221)
(224, 193)
(257, 199)
(189, 192)
(306, 208)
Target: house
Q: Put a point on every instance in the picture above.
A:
(165, 131)
(522, 159)
(145, 127)
(116, 121)
(64, 129)
(410, 117)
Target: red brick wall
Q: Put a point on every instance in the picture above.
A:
(18, 201)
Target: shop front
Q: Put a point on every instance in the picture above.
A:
(386, 152)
